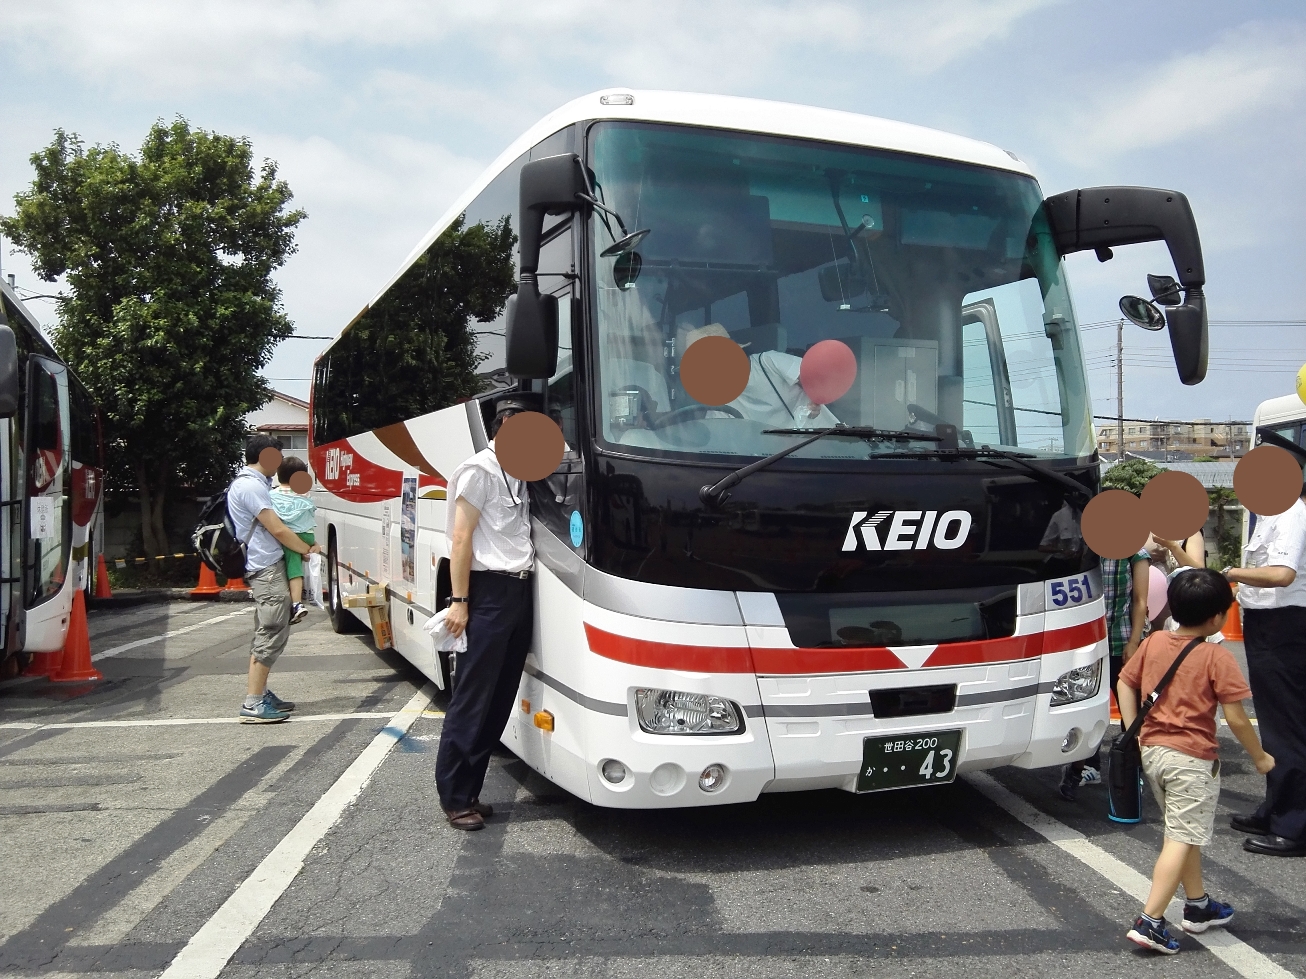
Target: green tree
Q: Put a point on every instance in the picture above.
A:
(1132, 475)
(171, 310)
(1228, 528)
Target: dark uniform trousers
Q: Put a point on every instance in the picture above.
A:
(500, 619)
(1276, 666)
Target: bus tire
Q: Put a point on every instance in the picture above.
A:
(342, 620)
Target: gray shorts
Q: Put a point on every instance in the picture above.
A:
(271, 612)
(1187, 789)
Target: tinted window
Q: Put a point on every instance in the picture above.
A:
(436, 337)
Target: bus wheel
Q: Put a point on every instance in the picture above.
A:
(342, 620)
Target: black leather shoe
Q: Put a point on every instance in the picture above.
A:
(1250, 825)
(1275, 846)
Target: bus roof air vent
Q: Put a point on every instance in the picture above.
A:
(620, 98)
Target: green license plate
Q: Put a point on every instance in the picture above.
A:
(900, 760)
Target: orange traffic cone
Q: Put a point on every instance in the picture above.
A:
(102, 589)
(208, 583)
(1233, 625)
(76, 663)
(44, 664)
(236, 584)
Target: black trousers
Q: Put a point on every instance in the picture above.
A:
(499, 623)
(1276, 666)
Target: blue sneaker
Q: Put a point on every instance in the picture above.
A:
(1147, 935)
(1197, 920)
(264, 713)
(277, 703)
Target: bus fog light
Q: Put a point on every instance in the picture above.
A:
(667, 779)
(712, 778)
(677, 712)
(614, 771)
(1076, 685)
(1071, 741)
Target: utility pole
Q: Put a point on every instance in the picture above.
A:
(1120, 387)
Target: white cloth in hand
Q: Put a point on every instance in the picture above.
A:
(445, 641)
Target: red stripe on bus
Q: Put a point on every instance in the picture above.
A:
(1018, 647)
(863, 659)
(858, 659)
(670, 656)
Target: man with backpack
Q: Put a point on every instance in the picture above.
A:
(256, 524)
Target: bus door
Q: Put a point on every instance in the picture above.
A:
(47, 504)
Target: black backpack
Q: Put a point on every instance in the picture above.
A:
(216, 540)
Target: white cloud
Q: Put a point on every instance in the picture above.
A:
(1248, 70)
(261, 45)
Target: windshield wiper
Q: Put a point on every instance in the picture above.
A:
(1021, 459)
(718, 492)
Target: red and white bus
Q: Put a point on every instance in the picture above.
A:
(51, 482)
(766, 595)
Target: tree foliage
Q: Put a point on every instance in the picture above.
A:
(1132, 475)
(171, 310)
(414, 350)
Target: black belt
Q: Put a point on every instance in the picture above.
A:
(523, 575)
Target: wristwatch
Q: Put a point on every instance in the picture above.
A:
(1226, 571)
(464, 600)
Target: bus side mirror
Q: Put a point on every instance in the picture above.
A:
(548, 186)
(1101, 217)
(8, 373)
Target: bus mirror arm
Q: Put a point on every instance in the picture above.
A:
(8, 372)
(1098, 218)
(548, 186)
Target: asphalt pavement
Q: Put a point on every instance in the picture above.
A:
(144, 831)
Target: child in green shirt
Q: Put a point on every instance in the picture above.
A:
(299, 513)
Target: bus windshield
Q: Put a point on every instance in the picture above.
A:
(940, 276)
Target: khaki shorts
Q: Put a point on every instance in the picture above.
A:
(1187, 790)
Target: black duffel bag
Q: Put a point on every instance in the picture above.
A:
(1124, 773)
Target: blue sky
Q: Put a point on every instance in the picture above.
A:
(380, 111)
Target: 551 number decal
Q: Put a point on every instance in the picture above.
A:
(1069, 592)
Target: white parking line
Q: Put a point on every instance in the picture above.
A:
(217, 941)
(1236, 954)
(181, 721)
(115, 650)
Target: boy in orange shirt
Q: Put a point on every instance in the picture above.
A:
(1180, 752)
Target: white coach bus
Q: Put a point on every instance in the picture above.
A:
(768, 595)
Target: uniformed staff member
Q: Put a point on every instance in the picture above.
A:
(1272, 593)
(490, 563)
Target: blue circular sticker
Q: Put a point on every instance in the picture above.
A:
(577, 528)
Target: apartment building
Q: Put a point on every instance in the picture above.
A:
(1176, 440)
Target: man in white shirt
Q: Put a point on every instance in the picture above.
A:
(1272, 593)
(490, 562)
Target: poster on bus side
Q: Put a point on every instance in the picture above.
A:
(408, 528)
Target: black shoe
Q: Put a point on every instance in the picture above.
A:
(1250, 825)
(1069, 786)
(1275, 846)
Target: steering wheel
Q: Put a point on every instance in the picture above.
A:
(692, 411)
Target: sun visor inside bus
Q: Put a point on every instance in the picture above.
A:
(705, 222)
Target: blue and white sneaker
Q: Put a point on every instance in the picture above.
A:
(1091, 776)
(1197, 920)
(1144, 933)
(277, 703)
(264, 713)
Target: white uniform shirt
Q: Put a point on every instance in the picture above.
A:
(775, 397)
(502, 539)
(1277, 541)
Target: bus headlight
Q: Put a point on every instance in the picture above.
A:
(1077, 685)
(677, 712)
